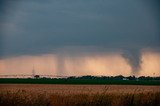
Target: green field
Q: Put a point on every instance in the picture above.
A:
(76, 81)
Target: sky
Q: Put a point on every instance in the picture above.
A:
(79, 37)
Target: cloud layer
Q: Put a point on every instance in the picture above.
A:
(37, 27)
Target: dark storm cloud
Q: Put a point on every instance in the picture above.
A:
(37, 27)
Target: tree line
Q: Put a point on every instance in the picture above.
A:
(119, 77)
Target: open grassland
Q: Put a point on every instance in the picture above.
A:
(81, 95)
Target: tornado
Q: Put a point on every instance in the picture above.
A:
(133, 57)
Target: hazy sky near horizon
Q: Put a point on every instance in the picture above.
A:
(77, 30)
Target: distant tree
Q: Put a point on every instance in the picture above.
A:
(119, 77)
(36, 76)
(131, 78)
(105, 77)
(141, 78)
(72, 77)
(147, 78)
(87, 77)
(157, 78)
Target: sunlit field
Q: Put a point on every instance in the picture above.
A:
(71, 95)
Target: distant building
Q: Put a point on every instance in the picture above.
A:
(125, 79)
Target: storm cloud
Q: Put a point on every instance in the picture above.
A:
(79, 26)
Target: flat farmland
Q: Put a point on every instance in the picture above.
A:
(73, 89)
(78, 95)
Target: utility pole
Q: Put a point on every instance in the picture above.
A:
(33, 72)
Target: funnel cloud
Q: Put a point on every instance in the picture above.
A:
(134, 59)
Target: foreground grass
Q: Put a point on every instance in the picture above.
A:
(24, 98)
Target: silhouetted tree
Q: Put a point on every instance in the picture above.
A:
(36, 76)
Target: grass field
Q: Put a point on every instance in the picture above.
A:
(79, 95)
(77, 81)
